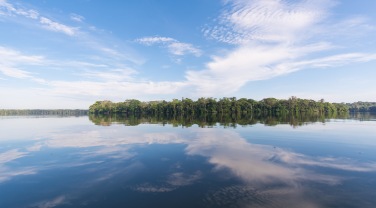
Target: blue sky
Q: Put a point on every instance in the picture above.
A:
(68, 54)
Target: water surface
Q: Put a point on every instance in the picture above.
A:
(71, 162)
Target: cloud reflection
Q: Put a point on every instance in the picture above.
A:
(7, 173)
(11, 155)
(266, 173)
(248, 196)
(174, 181)
(52, 202)
(148, 188)
(183, 179)
(224, 148)
(264, 163)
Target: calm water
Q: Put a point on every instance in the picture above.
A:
(71, 162)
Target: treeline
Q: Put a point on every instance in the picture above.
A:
(208, 106)
(56, 112)
(362, 106)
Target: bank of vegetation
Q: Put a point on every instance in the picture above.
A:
(211, 106)
(362, 106)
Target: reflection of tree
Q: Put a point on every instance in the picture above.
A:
(225, 120)
(364, 115)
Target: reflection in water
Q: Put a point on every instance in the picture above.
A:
(115, 166)
(7, 173)
(228, 120)
(60, 200)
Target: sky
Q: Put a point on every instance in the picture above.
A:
(69, 54)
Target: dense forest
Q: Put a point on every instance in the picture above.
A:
(362, 106)
(210, 106)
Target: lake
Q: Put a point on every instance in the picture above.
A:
(84, 162)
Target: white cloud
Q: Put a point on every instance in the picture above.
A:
(325, 62)
(358, 25)
(110, 51)
(153, 40)
(11, 10)
(11, 60)
(114, 54)
(180, 49)
(114, 75)
(267, 38)
(15, 73)
(274, 20)
(86, 35)
(228, 74)
(77, 18)
(58, 27)
(113, 90)
(12, 57)
(174, 46)
(271, 38)
(95, 80)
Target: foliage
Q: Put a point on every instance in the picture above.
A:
(211, 106)
(362, 106)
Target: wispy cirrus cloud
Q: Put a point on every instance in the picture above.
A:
(10, 56)
(112, 75)
(12, 60)
(272, 21)
(98, 41)
(77, 18)
(92, 81)
(174, 46)
(113, 90)
(154, 40)
(270, 38)
(57, 27)
(11, 10)
(264, 39)
(14, 72)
